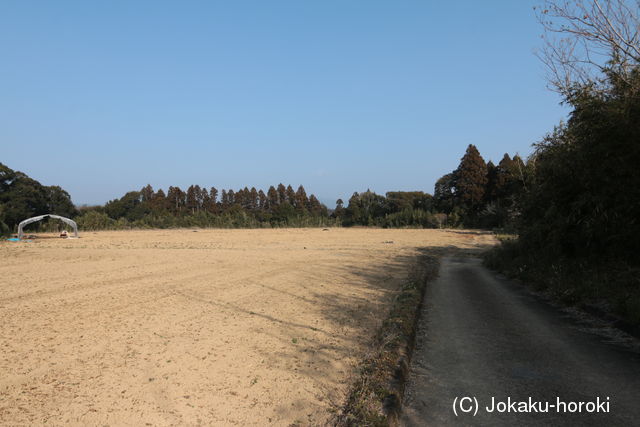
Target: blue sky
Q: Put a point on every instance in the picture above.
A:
(340, 96)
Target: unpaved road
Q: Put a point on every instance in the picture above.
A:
(482, 336)
(212, 327)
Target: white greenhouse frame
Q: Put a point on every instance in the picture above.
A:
(28, 221)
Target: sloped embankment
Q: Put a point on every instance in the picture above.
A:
(376, 395)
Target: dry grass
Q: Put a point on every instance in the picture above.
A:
(375, 398)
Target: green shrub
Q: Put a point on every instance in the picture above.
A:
(410, 217)
(93, 220)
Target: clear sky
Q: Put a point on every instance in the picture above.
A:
(340, 96)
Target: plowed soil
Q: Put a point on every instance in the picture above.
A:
(224, 327)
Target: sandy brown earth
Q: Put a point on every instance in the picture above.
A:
(221, 327)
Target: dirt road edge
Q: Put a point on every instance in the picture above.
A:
(375, 398)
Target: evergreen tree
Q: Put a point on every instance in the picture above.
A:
(146, 193)
(272, 198)
(192, 198)
(59, 202)
(492, 176)
(315, 207)
(262, 201)
(224, 200)
(243, 198)
(373, 206)
(471, 180)
(402, 200)
(353, 212)
(205, 200)
(290, 196)
(22, 197)
(239, 199)
(301, 200)
(176, 198)
(254, 202)
(282, 194)
(213, 195)
(444, 193)
(159, 201)
(339, 210)
(247, 202)
(504, 176)
(171, 200)
(128, 206)
(200, 199)
(519, 173)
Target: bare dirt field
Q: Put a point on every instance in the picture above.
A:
(224, 327)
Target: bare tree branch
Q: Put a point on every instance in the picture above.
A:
(585, 40)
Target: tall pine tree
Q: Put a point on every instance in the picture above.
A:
(290, 195)
(272, 198)
(282, 193)
(471, 180)
(301, 200)
(213, 199)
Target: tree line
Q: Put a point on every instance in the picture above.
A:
(475, 194)
(208, 207)
(279, 206)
